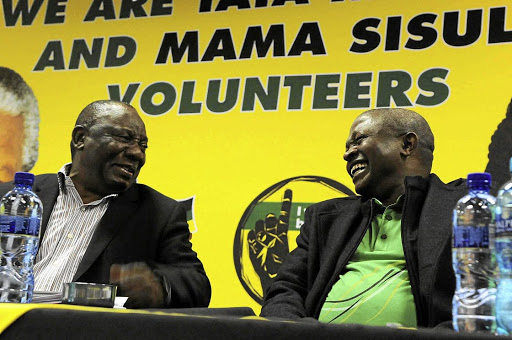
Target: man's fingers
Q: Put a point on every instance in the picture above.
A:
(115, 273)
(120, 273)
(138, 282)
(286, 207)
(142, 292)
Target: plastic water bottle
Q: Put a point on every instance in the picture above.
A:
(20, 218)
(504, 257)
(473, 305)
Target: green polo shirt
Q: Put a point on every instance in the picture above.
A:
(376, 289)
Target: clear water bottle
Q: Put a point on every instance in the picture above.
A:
(20, 218)
(473, 261)
(504, 257)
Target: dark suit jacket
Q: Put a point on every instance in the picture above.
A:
(140, 225)
(333, 230)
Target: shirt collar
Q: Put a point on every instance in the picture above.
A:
(63, 177)
(66, 182)
(397, 206)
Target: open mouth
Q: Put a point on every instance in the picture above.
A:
(127, 169)
(357, 168)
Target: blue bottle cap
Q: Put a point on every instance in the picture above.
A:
(479, 180)
(25, 178)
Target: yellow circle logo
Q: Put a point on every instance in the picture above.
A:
(270, 224)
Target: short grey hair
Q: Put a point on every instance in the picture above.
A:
(399, 121)
(17, 98)
(92, 112)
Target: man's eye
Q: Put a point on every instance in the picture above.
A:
(356, 141)
(359, 139)
(123, 139)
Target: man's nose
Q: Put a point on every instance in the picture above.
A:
(135, 151)
(349, 153)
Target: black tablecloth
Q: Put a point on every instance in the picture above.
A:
(223, 323)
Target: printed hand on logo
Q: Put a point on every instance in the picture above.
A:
(268, 242)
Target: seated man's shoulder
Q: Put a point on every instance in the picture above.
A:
(456, 183)
(334, 204)
(147, 191)
(44, 179)
(150, 195)
(155, 205)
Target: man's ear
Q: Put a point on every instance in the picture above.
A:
(409, 143)
(78, 137)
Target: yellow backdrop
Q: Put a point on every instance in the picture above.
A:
(312, 66)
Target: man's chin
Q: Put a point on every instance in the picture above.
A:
(362, 189)
(362, 182)
(119, 185)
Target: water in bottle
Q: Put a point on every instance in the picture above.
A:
(504, 257)
(473, 305)
(20, 217)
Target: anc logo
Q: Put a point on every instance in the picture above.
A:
(269, 226)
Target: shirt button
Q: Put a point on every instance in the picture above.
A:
(389, 217)
(383, 236)
(82, 208)
(70, 236)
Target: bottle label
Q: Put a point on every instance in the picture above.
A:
(471, 237)
(503, 226)
(19, 225)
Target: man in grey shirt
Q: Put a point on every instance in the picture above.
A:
(100, 226)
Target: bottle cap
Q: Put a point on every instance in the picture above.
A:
(25, 178)
(479, 180)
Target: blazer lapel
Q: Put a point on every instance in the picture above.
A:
(346, 228)
(355, 216)
(435, 221)
(117, 216)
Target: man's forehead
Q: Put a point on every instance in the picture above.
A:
(112, 110)
(119, 113)
(132, 128)
(128, 121)
(365, 122)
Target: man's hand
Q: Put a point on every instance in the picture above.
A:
(138, 282)
(268, 242)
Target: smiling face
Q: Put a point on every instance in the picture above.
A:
(109, 153)
(374, 161)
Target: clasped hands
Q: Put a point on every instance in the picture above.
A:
(138, 282)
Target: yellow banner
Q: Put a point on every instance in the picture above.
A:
(248, 103)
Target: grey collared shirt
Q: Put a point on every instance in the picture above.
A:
(68, 234)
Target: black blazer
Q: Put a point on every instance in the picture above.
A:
(140, 225)
(333, 230)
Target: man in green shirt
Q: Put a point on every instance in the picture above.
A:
(382, 257)
(376, 289)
